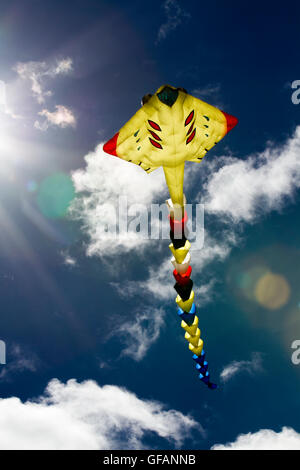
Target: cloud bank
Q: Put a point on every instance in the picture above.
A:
(83, 416)
(265, 439)
(244, 190)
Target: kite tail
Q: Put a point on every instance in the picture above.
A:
(180, 248)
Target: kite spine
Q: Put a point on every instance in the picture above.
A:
(180, 248)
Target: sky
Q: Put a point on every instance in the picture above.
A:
(95, 356)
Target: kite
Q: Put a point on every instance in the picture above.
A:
(170, 128)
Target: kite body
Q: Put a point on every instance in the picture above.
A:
(173, 127)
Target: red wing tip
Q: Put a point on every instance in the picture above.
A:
(231, 121)
(111, 145)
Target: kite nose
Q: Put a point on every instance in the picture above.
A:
(111, 146)
(231, 121)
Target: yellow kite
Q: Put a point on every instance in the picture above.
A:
(170, 128)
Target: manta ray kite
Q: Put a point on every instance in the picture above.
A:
(170, 128)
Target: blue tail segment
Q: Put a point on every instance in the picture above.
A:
(201, 363)
(199, 359)
(188, 317)
(202, 367)
(205, 378)
(212, 386)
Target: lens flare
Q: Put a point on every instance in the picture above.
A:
(31, 186)
(55, 195)
(247, 280)
(272, 291)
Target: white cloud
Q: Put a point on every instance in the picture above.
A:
(68, 260)
(245, 189)
(175, 15)
(236, 367)
(265, 439)
(158, 283)
(87, 416)
(62, 117)
(39, 72)
(99, 186)
(141, 332)
(62, 66)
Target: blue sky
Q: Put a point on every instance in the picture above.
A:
(92, 335)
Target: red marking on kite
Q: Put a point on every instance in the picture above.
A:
(231, 121)
(154, 125)
(190, 138)
(189, 118)
(155, 144)
(154, 135)
(191, 128)
(111, 146)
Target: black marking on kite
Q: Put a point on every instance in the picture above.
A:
(136, 133)
(207, 135)
(139, 148)
(206, 150)
(140, 163)
(190, 138)
(154, 125)
(205, 125)
(148, 169)
(138, 140)
(189, 118)
(168, 96)
(206, 117)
